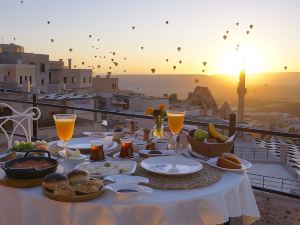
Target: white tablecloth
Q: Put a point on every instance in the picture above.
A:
(232, 196)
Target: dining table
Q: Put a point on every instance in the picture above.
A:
(230, 196)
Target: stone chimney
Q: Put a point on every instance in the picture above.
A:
(69, 64)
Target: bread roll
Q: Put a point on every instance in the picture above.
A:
(78, 176)
(225, 163)
(64, 190)
(232, 158)
(52, 180)
(97, 182)
(86, 188)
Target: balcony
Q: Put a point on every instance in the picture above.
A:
(274, 177)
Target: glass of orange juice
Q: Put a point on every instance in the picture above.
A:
(65, 127)
(175, 123)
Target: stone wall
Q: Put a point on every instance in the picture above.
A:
(275, 210)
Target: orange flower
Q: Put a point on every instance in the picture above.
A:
(162, 106)
(149, 111)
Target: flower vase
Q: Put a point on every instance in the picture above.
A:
(158, 129)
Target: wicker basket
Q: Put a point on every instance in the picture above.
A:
(211, 150)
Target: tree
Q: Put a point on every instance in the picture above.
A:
(173, 97)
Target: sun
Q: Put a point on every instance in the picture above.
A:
(247, 57)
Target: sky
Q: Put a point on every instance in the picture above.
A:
(197, 26)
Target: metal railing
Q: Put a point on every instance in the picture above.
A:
(282, 186)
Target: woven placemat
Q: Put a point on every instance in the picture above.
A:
(206, 176)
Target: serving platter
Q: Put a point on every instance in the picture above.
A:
(77, 198)
(245, 165)
(171, 165)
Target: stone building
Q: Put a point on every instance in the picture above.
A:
(105, 84)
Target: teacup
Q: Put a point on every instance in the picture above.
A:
(118, 133)
(160, 144)
(139, 145)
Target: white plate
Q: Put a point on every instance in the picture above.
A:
(162, 152)
(84, 143)
(82, 157)
(101, 169)
(136, 190)
(117, 156)
(171, 165)
(245, 164)
(127, 179)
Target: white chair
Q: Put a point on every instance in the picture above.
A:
(22, 121)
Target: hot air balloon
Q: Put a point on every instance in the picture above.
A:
(285, 68)
(142, 47)
(247, 32)
(153, 71)
(125, 58)
(167, 22)
(14, 38)
(251, 26)
(52, 40)
(203, 70)
(133, 27)
(109, 67)
(224, 37)
(196, 81)
(97, 48)
(227, 31)
(48, 22)
(82, 63)
(104, 57)
(204, 63)
(70, 49)
(238, 45)
(95, 56)
(124, 71)
(112, 60)
(167, 60)
(21, 1)
(98, 39)
(178, 49)
(237, 24)
(98, 66)
(90, 36)
(180, 61)
(75, 66)
(116, 64)
(114, 53)
(174, 67)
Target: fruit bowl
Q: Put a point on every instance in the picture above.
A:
(211, 150)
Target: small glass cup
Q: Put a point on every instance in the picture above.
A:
(126, 147)
(97, 152)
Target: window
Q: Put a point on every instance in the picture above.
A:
(73, 80)
(42, 67)
(42, 81)
(84, 80)
(65, 80)
(90, 79)
(25, 78)
(21, 80)
(30, 79)
(8, 73)
(49, 77)
(114, 86)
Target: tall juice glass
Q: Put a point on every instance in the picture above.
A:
(65, 124)
(175, 123)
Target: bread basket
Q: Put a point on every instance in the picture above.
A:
(211, 150)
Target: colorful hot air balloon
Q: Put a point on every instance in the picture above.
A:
(178, 49)
(251, 26)
(204, 63)
(180, 61)
(153, 71)
(224, 37)
(174, 67)
(247, 32)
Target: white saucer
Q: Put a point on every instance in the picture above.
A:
(117, 156)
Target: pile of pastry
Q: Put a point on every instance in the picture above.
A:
(75, 183)
(229, 161)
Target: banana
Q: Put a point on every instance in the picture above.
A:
(213, 132)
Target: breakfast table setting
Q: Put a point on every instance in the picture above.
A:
(174, 175)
